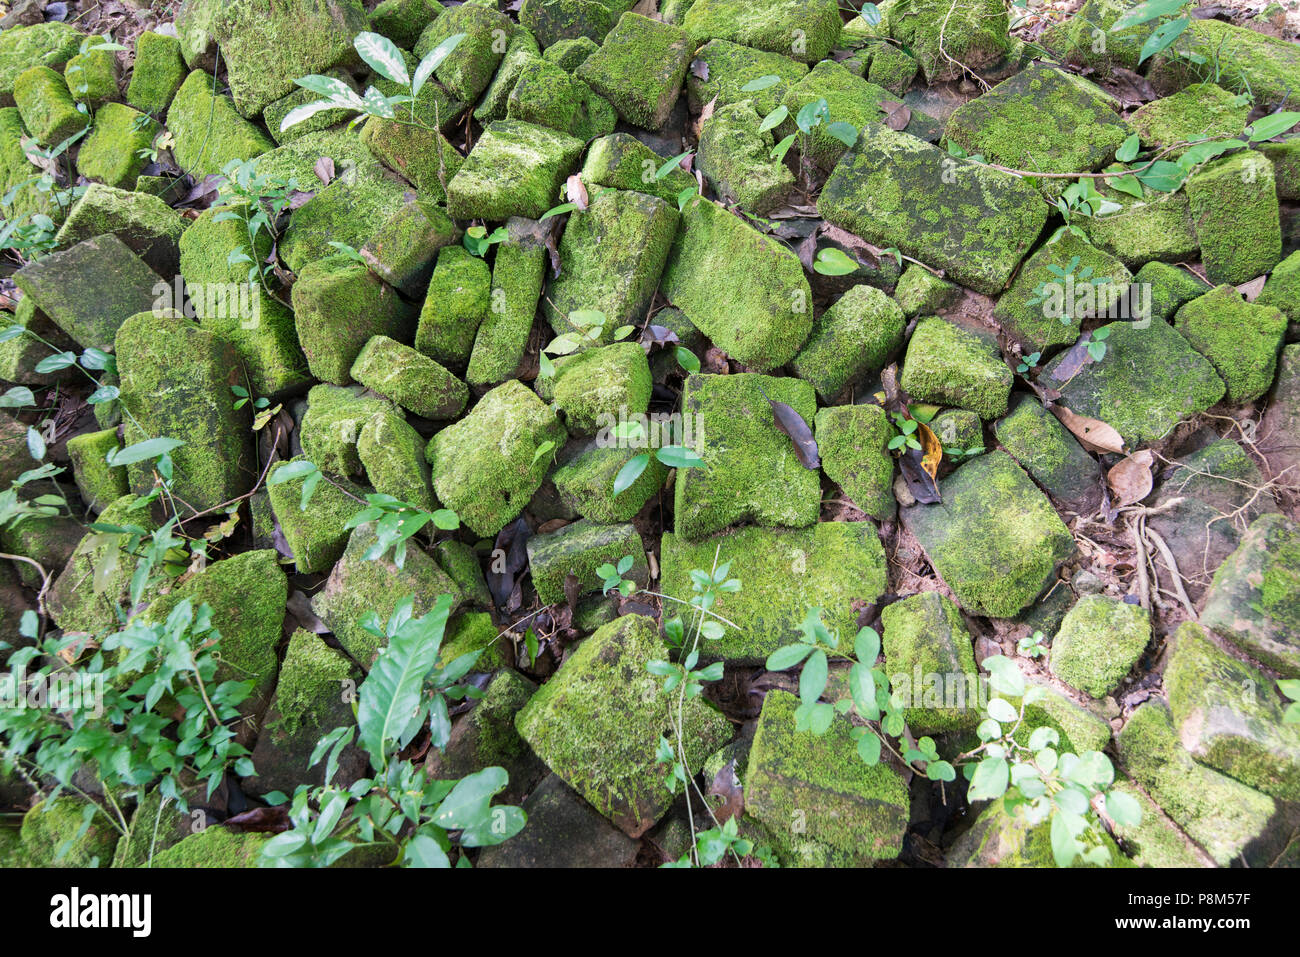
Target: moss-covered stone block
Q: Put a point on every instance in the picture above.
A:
(316, 534)
(1252, 600)
(554, 20)
(214, 847)
(639, 68)
(951, 365)
(47, 107)
(1235, 215)
(958, 429)
(458, 299)
(928, 650)
(892, 68)
(744, 290)
(176, 379)
(1149, 380)
(1201, 111)
(1086, 39)
(1242, 340)
(1285, 157)
(546, 95)
(858, 811)
(597, 723)
(1233, 823)
(515, 169)
(579, 549)
(261, 328)
(156, 824)
(207, 129)
(49, 44)
(277, 112)
(736, 159)
(596, 387)
(307, 37)
(1267, 67)
(1005, 124)
(920, 292)
(338, 306)
(731, 66)
(486, 737)
(1003, 837)
(392, 453)
(851, 339)
(1169, 287)
(1229, 717)
(470, 631)
(410, 378)
(621, 161)
(358, 585)
(158, 73)
(521, 50)
(461, 563)
(1282, 291)
(92, 77)
(750, 470)
(78, 609)
(836, 566)
(991, 500)
(467, 70)
(518, 273)
(147, 225)
(405, 248)
(1049, 452)
(569, 54)
(854, 444)
(1155, 842)
(351, 210)
(20, 355)
(586, 484)
(975, 223)
(402, 21)
(1098, 643)
(805, 30)
(947, 37)
(332, 425)
(51, 835)
(100, 484)
(425, 158)
(115, 151)
(486, 467)
(611, 258)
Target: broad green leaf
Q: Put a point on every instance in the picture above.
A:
(382, 56)
(630, 472)
(1163, 37)
(990, 780)
(788, 656)
(1128, 149)
(762, 83)
(142, 451)
(774, 119)
(1123, 809)
(832, 261)
(432, 60)
(1144, 12)
(1267, 127)
(678, 457)
(812, 680)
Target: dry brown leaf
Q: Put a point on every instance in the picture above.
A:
(705, 115)
(897, 116)
(576, 192)
(1251, 290)
(324, 170)
(1092, 433)
(727, 786)
(932, 448)
(1130, 481)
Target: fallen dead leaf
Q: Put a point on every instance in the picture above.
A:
(897, 116)
(1130, 481)
(1092, 433)
(324, 170)
(576, 192)
(1250, 290)
(932, 449)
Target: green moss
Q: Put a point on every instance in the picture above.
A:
(1282, 291)
(750, 471)
(424, 158)
(349, 210)
(1080, 729)
(1285, 157)
(458, 299)
(597, 722)
(1003, 837)
(76, 607)
(404, 249)
(1241, 339)
(1154, 842)
(146, 224)
(261, 328)
(1240, 59)
(950, 365)
(461, 563)
(402, 21)
(858, 810)
(1156, 227)
(1252, 599)
(491, 726)
(547, 96)
(1241, 734)
(393, 455)
(112, 153)
(973, 222)
(92, 77)
(515, 169)
(307, 37)
(835, 566)
(1048, 452)
(278, 111)
(853, 441)
(485, 466)
(1201, 111)
(736, 159)
(208, 131)
(746, 291)
(579, 549)
(1171, 287)
(803, 29)
(158, 73)
(1099, 642)
(554, 20)
(467, 70)
(851, 339)
(246, 594)
(1086, 38)
(338, 306)
(1149, 381)
(214, 847)
(409, 378)
(732, 66)
(958, 429)
(520, 51)
(990, 500)
(595, 387)
(358, 585)
(22, 192)
(474, 631)
(315, 535)
(518, 273)
(1235, 214)
(569, 54)
(920, 292)
(928, 650)
(1231, 821)
(156, 824)
(49, 44)
(20, 355)
(176, 380)
(586, 484)
(639, 68)
(892, 68)
(332, 425)
(100, 484)
(946, 36)
(50, 836)
(47, 107)
(310, 681)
